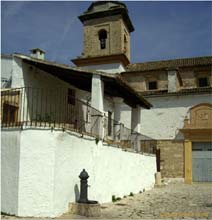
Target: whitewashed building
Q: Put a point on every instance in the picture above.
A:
(177, 89)
(57, 120)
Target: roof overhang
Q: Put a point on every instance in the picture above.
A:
(116, 58)
(99, 14)
(114, 84)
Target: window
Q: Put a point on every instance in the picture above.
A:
(102, 38)
(71, 96)
(203, 82)
(152, 85)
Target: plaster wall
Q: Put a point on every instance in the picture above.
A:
(172, 80)
(167, 116)
(107, 178)
(10, 157)
(139, 80)
(190, 76)
(36, 176)
(50, 163)
(126, 115)
(108, 68)
(17, 73)
(6, 70)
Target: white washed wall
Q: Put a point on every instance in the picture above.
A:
(10, 157)
(112, 68)
(112, 171)
(6, 69)
(164, 120)
(50, 163)
(36, 177)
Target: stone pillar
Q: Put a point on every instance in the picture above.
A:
(188, 161)
(136, 119)
(117, 117)
(158, 179)
(97, 102)
(97, 93)
(172, 80)
(136, 125)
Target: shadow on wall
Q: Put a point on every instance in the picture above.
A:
(76, 192)
(10, 161)
(185, 101)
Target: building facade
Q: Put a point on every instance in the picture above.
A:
(58, 119)
(175, 88)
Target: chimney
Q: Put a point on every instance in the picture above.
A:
(37, 53)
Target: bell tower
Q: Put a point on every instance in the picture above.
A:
(107, 29)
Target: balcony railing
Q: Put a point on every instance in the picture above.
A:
(58, 108)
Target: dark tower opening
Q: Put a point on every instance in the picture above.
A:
(102, 38)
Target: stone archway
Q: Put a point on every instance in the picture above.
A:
(197, 128)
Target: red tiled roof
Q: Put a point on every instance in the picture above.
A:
(165, 64)
(184, 91)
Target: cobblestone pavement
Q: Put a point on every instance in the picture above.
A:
(177, 201)
(174, 201)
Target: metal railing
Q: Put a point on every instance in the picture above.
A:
(57, 108)
(52, 107)
(118, 133)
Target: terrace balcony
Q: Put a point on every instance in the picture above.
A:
(57, 108)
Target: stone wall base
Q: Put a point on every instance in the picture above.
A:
(171, 158)
(173, 180)
(158, 179)
(88, 210)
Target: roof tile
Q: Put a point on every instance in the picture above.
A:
(164, 64)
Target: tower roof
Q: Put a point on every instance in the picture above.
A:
(101, 9)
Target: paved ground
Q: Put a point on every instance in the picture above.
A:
(179, 200)
(174, 201)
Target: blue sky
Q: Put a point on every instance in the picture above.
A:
(163, 30)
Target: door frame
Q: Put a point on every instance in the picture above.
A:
(204, 135)
(197, 128)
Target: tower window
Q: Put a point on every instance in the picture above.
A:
(125, 44)
(153, 85)
(102, 38)
(203, 82)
